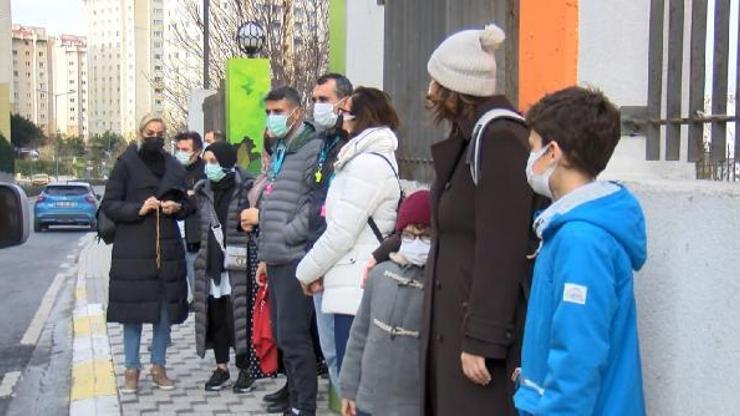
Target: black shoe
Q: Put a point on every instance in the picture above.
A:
(322, 369)
(279, 407)
(219, 380)
(290, 412)
(244, 384)
(280, 396)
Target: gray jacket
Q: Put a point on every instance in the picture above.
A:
(239, 280)
(284, 207)
(380, 371)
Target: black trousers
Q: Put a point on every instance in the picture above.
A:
(221, 331)
(292, 317)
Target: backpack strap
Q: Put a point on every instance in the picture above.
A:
(473, 158)
(371, 221)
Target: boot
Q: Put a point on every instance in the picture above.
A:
(160, 379)
(280, 396)
(131, 381)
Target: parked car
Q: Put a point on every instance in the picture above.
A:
(15, 218)
(73, 203)
(40, 179)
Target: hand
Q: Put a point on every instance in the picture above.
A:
(170, 207)
(366, 270)
(317, 286)
(249, 218)
(151, 204)
(348, 408)
(474, 367)
(261, 275)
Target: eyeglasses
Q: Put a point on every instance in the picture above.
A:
(411, 237)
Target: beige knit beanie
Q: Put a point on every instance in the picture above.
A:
(464, 62)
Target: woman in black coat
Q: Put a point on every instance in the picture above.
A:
(145, 196)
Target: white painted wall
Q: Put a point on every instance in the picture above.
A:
(365, 27)
(195, 109)
(687, 297)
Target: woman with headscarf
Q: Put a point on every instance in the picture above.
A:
(224, 286)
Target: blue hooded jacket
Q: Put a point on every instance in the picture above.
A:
(580, 354)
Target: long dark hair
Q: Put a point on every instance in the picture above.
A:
(372, 108)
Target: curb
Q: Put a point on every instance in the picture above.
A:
(93, 388)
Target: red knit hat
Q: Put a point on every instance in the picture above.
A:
(415, 209)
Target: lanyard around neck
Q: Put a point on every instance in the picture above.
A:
(277, 160)
(323, 156)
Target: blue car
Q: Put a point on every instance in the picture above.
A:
(72, 203)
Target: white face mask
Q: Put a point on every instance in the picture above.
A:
(539, 183)
(324, 115)
(415, 251)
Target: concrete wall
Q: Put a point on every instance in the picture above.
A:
(687, 297)
(365, 43)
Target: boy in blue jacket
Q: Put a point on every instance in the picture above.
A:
(580, 353)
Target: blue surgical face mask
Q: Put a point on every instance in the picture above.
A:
(277, 124)
(214, 172)
(185, 158)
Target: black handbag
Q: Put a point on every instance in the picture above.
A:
(106, 227)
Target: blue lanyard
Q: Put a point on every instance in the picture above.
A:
(277, 160)
(323, 156)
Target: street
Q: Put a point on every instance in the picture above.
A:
(26, 274)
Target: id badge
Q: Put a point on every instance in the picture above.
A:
(268, 189)
(323, 211)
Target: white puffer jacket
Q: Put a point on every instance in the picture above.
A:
(364, 185)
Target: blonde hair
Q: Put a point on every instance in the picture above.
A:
(150, 118)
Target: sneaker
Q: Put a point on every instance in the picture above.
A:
(244, 384)
(131, 381)
(280, 396)
(219, 380)
(160, 379)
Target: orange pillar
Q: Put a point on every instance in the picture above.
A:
(548, 48)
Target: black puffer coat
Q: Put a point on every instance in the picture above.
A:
(137, 286)
(238, 279)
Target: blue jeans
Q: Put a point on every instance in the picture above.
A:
(325, 325)
(160, 339)
(342, 327)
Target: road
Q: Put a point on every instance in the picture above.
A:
(26, 273)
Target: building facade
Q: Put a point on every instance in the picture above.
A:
(6, 68)
(32, 89)
(125, 60)
(69, 60)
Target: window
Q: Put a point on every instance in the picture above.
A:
(41, 53)
(27, 52)
(15, 52)
(15, 73)
(41, 64)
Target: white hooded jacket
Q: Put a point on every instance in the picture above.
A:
(364, 185)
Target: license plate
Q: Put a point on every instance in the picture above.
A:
(64, 204)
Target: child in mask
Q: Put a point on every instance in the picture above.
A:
(581, 353)
(380, 373)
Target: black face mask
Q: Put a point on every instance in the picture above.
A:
(152, 144)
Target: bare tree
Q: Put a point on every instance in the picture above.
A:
(297, 44)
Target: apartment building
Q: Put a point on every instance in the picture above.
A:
(69, 58)
(32, 89)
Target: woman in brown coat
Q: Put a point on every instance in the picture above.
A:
(478, 269)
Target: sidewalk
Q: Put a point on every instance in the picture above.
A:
(95, 385)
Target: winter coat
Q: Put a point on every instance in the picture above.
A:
(284, 206)
(194, 174)
(478, 272)
(380, 370)
(321, 179)
(581, 354)
(137, 288)
(364, 184)
(238, 279)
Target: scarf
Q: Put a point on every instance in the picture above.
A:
(222, 193)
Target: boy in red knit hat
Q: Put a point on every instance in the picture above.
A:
(380, 373)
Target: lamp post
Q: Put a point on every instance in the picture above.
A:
(56, 138)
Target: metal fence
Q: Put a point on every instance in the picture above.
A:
(665, 113)
(413, 28)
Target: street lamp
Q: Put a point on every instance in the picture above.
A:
(56, 108)
(251, 38)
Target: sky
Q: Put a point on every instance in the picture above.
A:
(57, 16)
